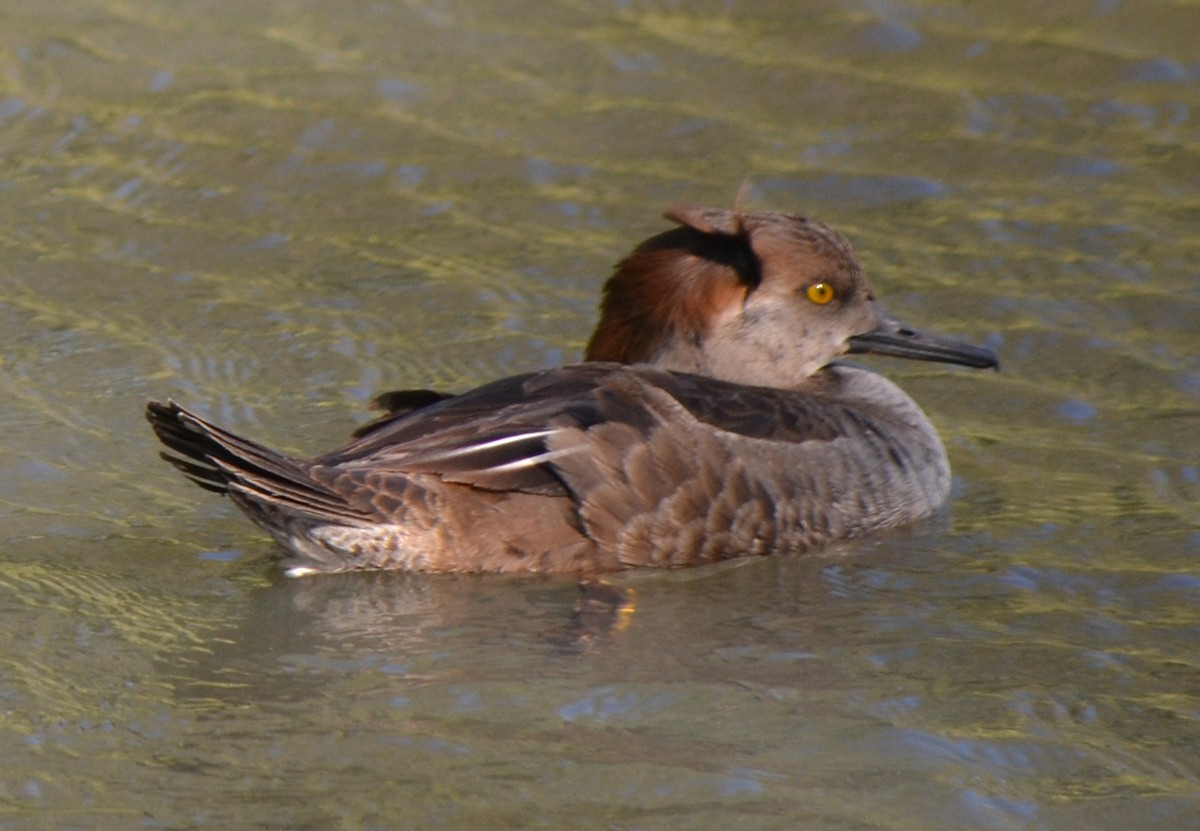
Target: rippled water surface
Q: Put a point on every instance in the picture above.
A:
(272, 211)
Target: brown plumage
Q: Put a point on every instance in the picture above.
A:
(710, 421)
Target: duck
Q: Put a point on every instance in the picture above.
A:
(714, 416)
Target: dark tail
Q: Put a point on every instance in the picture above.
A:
(220, 461)
(216, 455)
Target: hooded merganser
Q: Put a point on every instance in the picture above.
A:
(710, 420)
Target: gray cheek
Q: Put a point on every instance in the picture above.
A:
(773, 332)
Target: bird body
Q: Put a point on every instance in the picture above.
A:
(710, 420)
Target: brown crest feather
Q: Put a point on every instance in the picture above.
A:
(674, 284)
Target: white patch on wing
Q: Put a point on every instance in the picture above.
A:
(534, 461)
(488, 445)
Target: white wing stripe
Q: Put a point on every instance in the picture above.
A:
(534, 461)
(487, 445)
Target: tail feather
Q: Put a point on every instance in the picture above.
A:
(223, 462)
(202, 475)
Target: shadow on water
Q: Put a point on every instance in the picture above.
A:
(396, 624)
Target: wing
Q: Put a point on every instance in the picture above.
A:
(491, 437)
(399, 403)
(496, 436)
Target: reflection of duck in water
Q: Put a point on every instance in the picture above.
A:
(709, 422)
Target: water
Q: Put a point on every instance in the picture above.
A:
(274, 211)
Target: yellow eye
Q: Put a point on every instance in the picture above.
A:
(819, 293)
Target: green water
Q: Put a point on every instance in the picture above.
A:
(272, 211)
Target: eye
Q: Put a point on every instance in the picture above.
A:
(819, 293)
